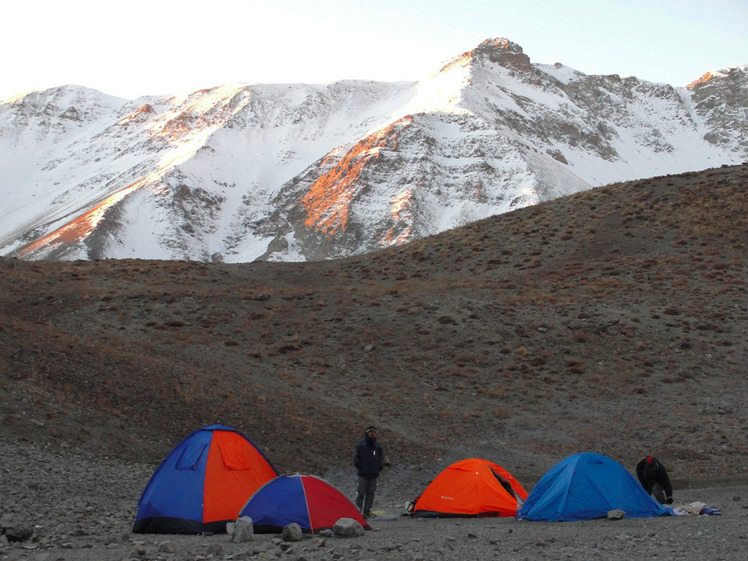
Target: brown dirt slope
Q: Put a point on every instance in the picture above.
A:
(613, 320)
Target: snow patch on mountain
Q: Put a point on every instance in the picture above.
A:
(295, 172)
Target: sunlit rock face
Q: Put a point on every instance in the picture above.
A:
(505, 53)
(719, 97)
(297, 172)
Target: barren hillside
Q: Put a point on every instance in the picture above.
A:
(613, 320)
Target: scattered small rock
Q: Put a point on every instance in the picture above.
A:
(215, 549)
(242, 530)
(292, 533)
(15, 528)
(348, 528)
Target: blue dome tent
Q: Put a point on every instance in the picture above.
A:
(586, 486)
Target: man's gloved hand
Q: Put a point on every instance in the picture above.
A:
(669, 500)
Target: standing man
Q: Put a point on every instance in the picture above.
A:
(368, 457)
(655, 480)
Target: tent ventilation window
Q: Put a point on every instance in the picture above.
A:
(190, 456)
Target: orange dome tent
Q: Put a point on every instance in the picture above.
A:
(471, 487)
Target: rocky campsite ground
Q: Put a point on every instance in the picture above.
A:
(612, 321)
(81, 509)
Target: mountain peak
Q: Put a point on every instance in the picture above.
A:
(499, 44)
(499, 50)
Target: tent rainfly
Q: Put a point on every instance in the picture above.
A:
(307, 500)
(202, 483)
(471, 487)
(586, 486)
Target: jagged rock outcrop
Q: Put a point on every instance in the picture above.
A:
(720, 99)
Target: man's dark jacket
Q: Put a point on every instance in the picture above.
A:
(368, 457)
(650, 474)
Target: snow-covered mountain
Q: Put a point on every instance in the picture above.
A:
(298, 172)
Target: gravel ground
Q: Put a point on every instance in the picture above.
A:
(82, 508)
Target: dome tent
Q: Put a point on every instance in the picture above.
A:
(586, 486)
(202, 483)
(307, 500)
(471, 487)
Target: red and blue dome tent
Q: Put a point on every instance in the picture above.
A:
(202, 483)
(307, 500)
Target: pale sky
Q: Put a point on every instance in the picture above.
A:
(156, 47)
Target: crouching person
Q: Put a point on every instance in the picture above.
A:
(654, 478)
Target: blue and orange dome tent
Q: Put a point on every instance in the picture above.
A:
(202, 484)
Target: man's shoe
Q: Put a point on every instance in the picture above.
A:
(367, 514)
